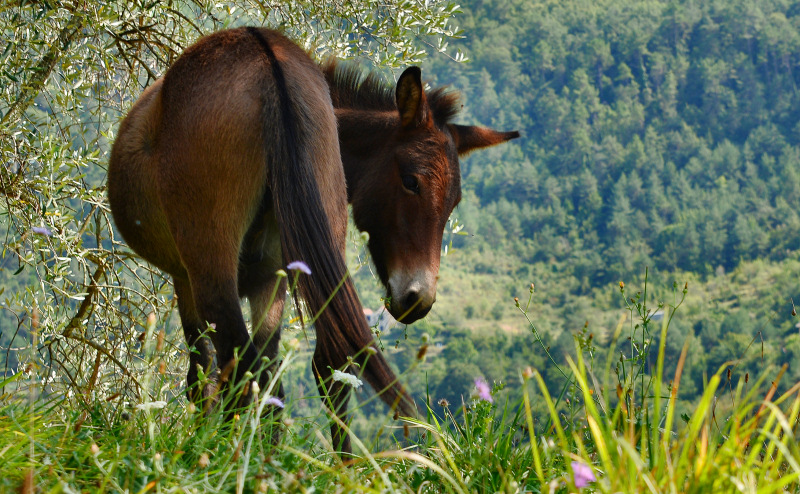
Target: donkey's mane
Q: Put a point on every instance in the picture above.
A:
(352, 88)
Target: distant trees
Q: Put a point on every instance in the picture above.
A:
(669, 128)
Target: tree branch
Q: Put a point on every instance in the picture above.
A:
(33, 87)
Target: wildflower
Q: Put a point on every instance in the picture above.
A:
(299, 266)
(203, 461)
(444, 403)
(95, 449)
(484, 393)
(42, 230)
(254, 386)
(582, 474)
(276, 402)
(347, 378)
(527, 373)
(151, 405)
(621, 285)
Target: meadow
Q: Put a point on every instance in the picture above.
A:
(613, 426)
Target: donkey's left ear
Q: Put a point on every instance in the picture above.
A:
(410, 97)
(468, 137)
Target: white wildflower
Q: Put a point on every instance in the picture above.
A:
(347, 378)
(151, 405)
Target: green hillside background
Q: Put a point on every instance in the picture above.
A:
(658, 136)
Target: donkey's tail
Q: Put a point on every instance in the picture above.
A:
(343, 335)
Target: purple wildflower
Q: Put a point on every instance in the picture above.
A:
(300, 266)
(484, 392)
(275, 401)
(41, 230)
(583, 474)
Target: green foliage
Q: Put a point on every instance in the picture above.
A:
(658, 135)
(608, 435)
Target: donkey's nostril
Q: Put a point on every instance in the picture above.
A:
(412, 300)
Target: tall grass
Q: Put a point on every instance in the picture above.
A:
(612, 426)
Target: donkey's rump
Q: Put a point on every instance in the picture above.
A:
(194, 153)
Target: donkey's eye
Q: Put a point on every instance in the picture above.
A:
(410, 183)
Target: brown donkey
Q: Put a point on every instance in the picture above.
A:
(233, 164)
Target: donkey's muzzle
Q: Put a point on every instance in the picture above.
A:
(412, 304)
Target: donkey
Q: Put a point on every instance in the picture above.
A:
(243, 157)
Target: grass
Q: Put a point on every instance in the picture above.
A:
(617, 420)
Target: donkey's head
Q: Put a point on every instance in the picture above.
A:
(407, 184)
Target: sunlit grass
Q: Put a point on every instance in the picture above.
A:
(617, 431)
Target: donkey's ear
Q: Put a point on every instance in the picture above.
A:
(411, 101)
(468, 137)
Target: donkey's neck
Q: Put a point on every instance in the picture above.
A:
(363, 137)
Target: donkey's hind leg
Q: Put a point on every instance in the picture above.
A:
(266, 308)
(211, 267)
(218, 303)
(201, 354)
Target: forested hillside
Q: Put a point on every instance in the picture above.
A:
(660, 135)
(656, 133)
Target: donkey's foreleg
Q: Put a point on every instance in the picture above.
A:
(201, 354)
(335, 397)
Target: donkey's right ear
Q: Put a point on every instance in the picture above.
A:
(411, 101)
